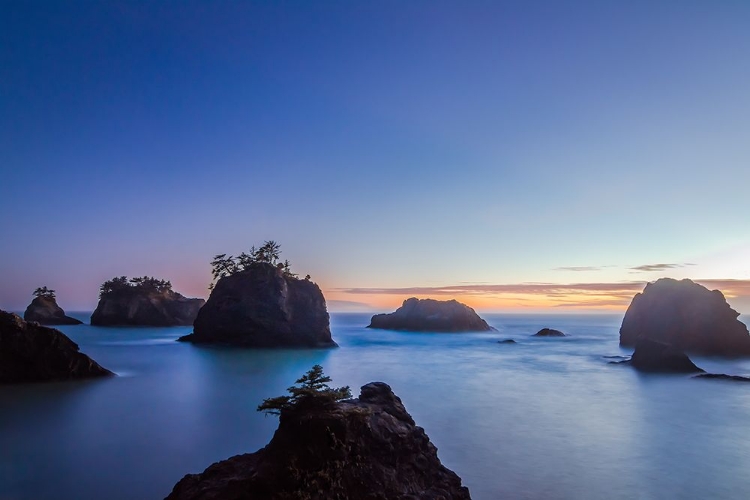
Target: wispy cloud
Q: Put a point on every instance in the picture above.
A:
(578, 268)
(658, 267)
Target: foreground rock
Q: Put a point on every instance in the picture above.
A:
(428, 315)
(263, 306)
(653, 356)
(549, 332)
(45, 310)
(33, 353)
(141, 303)
(366, 448)
(687, 316)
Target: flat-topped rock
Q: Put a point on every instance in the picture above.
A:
(366, 448)
(428, 315)
(143, 302)
(687, 316)
(262, 306)
(30, 352)
(549, 332)
(45, 311)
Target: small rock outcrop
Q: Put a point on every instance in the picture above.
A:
(687, 316)
(506, 341)
(653, 356)
(262, 306)
(366, 448)
(429, 315)
(45, 311)
(549, 332)
(30, 352)
(143, 302)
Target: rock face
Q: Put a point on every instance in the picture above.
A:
(33, 353)
(366, 448)
(137, 308)
(263, 307)
(687, 316)
(45, 310)
(653, 356)
(428, 315)
(548, 332)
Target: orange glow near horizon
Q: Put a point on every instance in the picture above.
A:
(536, 297)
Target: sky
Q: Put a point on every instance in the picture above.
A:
(531, 156)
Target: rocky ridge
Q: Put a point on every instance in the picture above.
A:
(365, 448)
(30, 352)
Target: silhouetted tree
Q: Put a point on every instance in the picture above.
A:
(312, 392)
(223, 266)
(268, 252)
(44, 292)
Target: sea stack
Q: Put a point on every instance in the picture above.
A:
(687, 316)
(263, 306)
(30, 352)
(368, 448)
(143, 301)
(44, 310)
(429, 315)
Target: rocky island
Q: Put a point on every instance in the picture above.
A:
(259, 302)
(686, 316)
(143, 301)
(30, 352)
(549, 332)
(331, 447)
(429, 315)
(44, 309)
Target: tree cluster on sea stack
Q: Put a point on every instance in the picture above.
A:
(269, 252)
(122, 285)
(44, 292)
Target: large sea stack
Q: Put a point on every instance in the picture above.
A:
(428, 315)
(44, 310)
(143, 302)
(687, 316)
(263, 306)
(366, 448)
(30, 352)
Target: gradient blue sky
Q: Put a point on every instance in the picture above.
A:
(392, 148)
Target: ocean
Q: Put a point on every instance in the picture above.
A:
(545, 418)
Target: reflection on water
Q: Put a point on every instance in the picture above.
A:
(543, 418)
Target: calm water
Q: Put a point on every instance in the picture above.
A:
(544, 418)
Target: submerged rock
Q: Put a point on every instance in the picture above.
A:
(549, 332)
(263, 307)
(134, 305)
(723, 376)
(653, 356)
(366, 448)
(30, 352)
(506, 341)
(429, 315)
(687, 316)
(45, 310)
